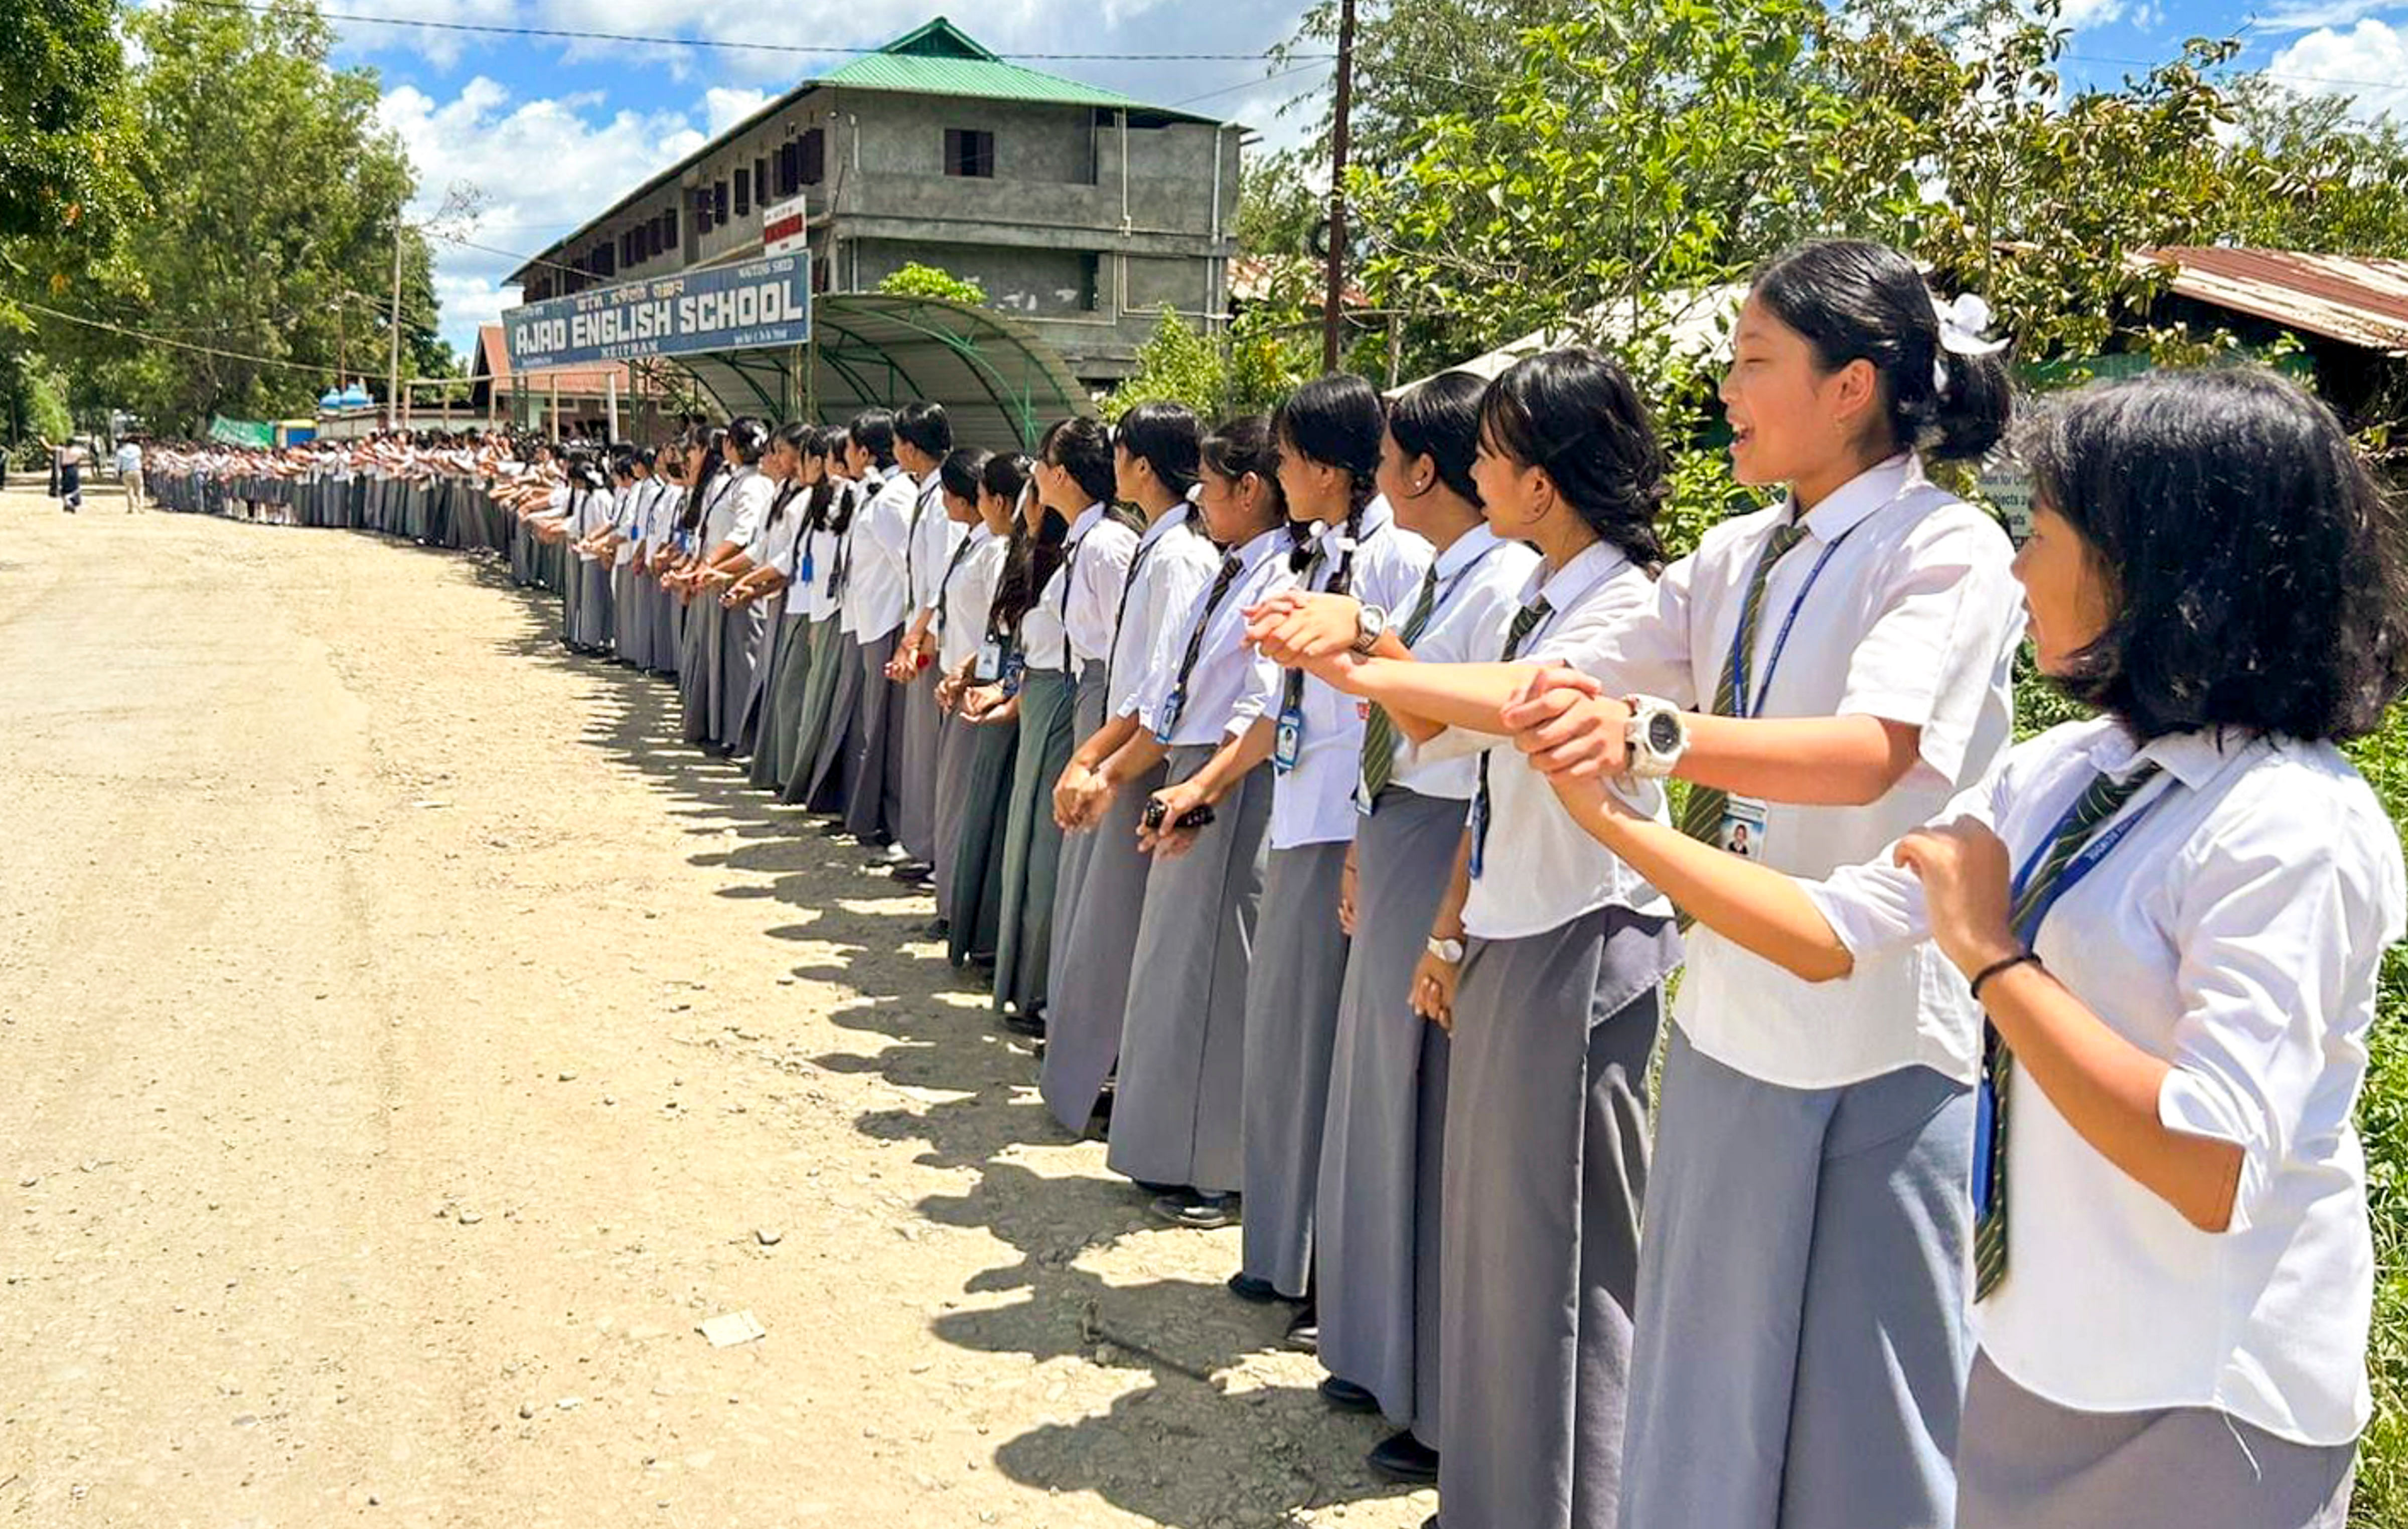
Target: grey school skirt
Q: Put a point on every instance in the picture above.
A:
(825, 745)
(1087, 715)
(976, 921)
(1178, 1118)
(1546, 1167)
(954, 747)
(1091, 987)
(916, 825)
(1032, 844)
(2026, 1462)
(783, 694)
(704, 621)
(1376, 1245)
(1291, 1030)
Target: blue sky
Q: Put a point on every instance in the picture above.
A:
(551, 131)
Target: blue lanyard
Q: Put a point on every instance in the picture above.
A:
(1742, 704)
(2102, 844)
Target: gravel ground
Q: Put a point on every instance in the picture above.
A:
(405, 1045)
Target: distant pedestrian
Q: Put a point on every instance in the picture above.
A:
(129, 472)
(68, 475)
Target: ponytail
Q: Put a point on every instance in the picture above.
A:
(1854, 300)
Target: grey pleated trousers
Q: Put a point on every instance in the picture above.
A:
(1087, 715)
(978, 908)
(1376, 1235)
(826, 746)
(1032, 852)
(916, 825)
(1091, 988)
(1291, 1032)
(784, 697)
(1546, 1167)
(873, 805)
(1804, 1245)
(1179, 1116)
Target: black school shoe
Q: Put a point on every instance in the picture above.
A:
(1245, 1286)
(1402, 1458)
(1304, 1329)
(1193, 1207)
(1346, 1396)
(1031, 1023)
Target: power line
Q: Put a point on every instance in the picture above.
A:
(180, 345)
(267, 7)
(2270, 74)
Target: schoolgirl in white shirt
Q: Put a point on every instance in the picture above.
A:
(731, 524)
(923, 438)
(1177, 1119)
(1091, 590)
(1155, 455)
(2172, 917)
(1556, 1006)
(876, 594)
(825, 746)
(982, 691)
(1376, 1235)
(761, 574)
(708, 476)
(1849, 652)
(802, 452)
(957, 621)
(1330, 433)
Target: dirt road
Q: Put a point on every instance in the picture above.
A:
(404, 1044)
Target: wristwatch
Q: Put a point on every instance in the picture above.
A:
(1370, 621)
(1448, 950)
(1655, 737)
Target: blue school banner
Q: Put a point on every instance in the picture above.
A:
(759, 305)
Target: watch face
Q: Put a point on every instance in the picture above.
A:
(1663, 731)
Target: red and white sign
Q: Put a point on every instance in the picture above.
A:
(782, 228)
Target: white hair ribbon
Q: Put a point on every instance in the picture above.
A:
(1964, 331)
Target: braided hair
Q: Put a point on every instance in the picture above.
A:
(1335, 421)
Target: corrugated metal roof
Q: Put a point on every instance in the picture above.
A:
(2357, 301)
(940, 58)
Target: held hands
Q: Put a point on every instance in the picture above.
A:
(1568, 728)
(982, 704)
(949, 691)
(1346, 895)
(1964, 872)
(1433, 991)
(1296, 629)
(1080, 799)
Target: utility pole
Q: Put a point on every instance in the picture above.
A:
(1333, 298)
(393, 363)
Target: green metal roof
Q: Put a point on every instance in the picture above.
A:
(940, 58)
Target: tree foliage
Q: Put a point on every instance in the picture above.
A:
(917, 281)
(66, 149)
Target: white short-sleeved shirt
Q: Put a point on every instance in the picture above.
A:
(1538, 871)
(1915, 619)
(1480, 580)
(1174, 562)
(875, 593)
(1084, 594)
(1231, 686)
(2235, 931)
(719, 504)
(747, 505)
(966, 595)
(934, 537)
(1315, 802)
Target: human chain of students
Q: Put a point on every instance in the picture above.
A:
(1299, 783)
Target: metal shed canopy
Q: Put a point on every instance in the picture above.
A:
(1000, 384)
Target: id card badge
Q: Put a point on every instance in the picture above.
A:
(1287, 744)
(1479, 833)
(1171, 710)
(989, 667)
(1742, 832)
(1015, 669)
(803, 574)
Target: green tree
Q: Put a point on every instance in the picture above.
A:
(917, 281)
(265, 260)
(67, 151)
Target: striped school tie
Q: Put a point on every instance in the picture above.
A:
(2099, 803)
(1379, 728)
(1702, 817)
(1231, 566)
(1526, 621)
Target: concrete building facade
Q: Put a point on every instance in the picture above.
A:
(1082, 212)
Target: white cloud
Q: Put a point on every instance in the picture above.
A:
(2082, 15)
(723, 108)
(543, 166)
(2355, 63)
(2307, 15)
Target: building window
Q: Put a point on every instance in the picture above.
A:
(813, 157)
(969, 151)
(719, 204)
(1091, 281)
(669, 229)
(743, 192)
(761, 180)
(701, 211)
